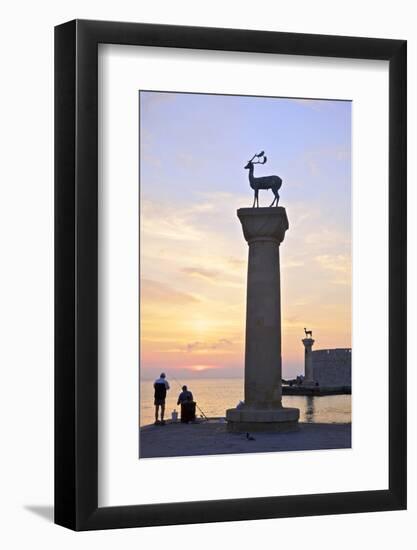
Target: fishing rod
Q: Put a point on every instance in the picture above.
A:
(173, 378)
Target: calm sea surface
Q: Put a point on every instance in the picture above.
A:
(215, 395)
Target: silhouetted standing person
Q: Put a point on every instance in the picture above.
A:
(160, 386)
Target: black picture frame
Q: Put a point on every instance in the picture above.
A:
(76, 272)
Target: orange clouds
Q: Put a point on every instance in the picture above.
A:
(193, 287)
(154, 291)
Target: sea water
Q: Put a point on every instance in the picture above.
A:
(214, 395)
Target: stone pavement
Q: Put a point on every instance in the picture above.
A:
(211, 438)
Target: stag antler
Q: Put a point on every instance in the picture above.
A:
(259, 155)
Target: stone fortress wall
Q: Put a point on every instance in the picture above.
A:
(333, 367)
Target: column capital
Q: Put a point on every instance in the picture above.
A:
(308, 342)
(263, 224)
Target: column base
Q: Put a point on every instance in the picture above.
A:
(284, 419)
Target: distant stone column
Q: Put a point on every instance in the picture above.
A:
(308, 362)
(264, 230)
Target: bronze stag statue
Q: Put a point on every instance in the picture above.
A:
(308, 333)
(266, 182)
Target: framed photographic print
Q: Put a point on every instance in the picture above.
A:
(230, 274)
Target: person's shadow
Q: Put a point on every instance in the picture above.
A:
(45, 512)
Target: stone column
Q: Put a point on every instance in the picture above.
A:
(308, 362)
(264, 230)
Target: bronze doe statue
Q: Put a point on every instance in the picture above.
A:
(267, 182)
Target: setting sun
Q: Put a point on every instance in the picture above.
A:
(200, 368)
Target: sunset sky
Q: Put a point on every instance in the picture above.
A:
(193, 149)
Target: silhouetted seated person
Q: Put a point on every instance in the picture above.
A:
(185, 399)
